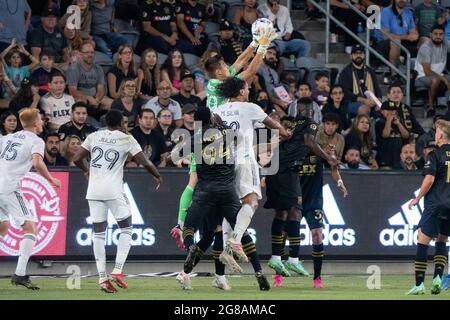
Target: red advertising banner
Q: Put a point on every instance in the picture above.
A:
(49, 206)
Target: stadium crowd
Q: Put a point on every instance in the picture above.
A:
(146, 59)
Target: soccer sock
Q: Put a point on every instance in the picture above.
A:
(185, 202)
(217, 250)
(317, 254)
(25, 251)
(227, 230)
(188, 237)
(277, 236)
(293, 232)
(243, 219)
(206, 240)
(100, 254)
(250, 250)
(440, 259)
(123, 248)
(421, 263)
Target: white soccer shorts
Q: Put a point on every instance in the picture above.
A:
(120, 209)
(13, 208)
(247, 178)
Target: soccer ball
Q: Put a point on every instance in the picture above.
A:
(261, 26)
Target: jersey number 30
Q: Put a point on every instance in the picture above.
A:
(110, 156)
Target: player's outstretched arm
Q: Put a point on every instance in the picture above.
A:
(244, 57)
(271, 124)
(318, 151)
(41, 168)
(337, 177)
(149, 166)
(424, 188)
(78, 159)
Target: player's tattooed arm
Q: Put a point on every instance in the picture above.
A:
(149, 166)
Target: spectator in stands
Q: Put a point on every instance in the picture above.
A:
(124, 67)
(281, 18)
(15, 18)
(356, 78)
(201, 76)
(353, 160)
(48, 36)
(102, 27)
(408, 157)
(42, 74)
(85, 22)
(338, 105)
(44, 119)
(191, 25)
(6, 89)
(187, 86)
(151, 141)
(70, 147)
(390, 133)
(77, 125)
(188, 118)
(15, 70)
(127, 103)
(304, 91)
(262, 100)
(52, 155)
(397, 20)
(172, 69)
(57, 104)
(329, 135)
(8, 123)
(159, 26)
(430, 65)
(244, 18)
(268, 73)
(149, 75)
(27, 96)
(229, 46)
(86, 80)
(166, 127)
(426, 15)
(429, 146)
(74, 42)
(163, 101)
(428, 136)
(321, 92)
(404, 112)
(360, 138)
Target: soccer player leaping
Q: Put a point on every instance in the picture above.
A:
(18, 153)
(109, 150)
(435, 220)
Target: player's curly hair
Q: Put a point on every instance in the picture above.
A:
(231, 87)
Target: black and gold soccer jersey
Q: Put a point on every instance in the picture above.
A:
(438, 165)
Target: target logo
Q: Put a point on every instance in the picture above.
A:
(49, 206)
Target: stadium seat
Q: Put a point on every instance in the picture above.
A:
(130, 32)
(137, 59)
(161, 58)
(312, 73)
(190, 60)
(289, 67)
(308, 62)
(103, 61)
(231, 11)
(211, 27)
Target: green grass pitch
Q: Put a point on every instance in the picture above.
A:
(393, 287)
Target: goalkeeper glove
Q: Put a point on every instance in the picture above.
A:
(177, 234)
(265, 40)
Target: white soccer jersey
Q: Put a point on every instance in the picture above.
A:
(242, 116)
(57, 109)
(109, 151)
(16, 152)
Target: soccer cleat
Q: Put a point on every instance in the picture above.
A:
(23, 281)
(184, 280)
(436, 285)
(279, 267)
(119, 279)
(227, 259)
(221, 283)
(417, 290)
(446, 282)
(262, 281)
(297, 268)
(176, 234)
(317, 283)
(237, 250)
(192, 258)
(277, 281)
(106, 286)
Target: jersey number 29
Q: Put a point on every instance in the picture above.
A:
(111, 156)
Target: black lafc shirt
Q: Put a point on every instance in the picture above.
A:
(159, 15)
(193, 16)
(438, 165)
(69, 128)
(153, 144)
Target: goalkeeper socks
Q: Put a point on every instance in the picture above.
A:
(217, 250)
(317, 254)
(123, 248)
(250, 250)
(25, 251)
(185, 203)
(440, 259)
(293, 232)
(100, 254)
(277, 236)
(188, 237)
(420, 263)
(243, 219)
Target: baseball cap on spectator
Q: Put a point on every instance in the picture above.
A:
(187, 74)
(50, 11)
(389, 106)
(357, 48)
(430, 144)
(226, 25)
(188, 108)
